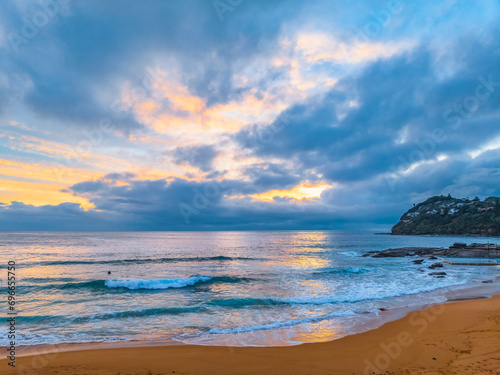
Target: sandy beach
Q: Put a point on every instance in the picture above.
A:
(453, 338)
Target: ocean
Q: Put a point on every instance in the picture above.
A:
(214, 288)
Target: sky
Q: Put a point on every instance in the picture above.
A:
(244, 115)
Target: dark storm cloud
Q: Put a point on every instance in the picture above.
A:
(270, 176)
(197, 156)
(65, 216)
(156, 205)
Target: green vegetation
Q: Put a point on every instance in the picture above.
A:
(445, 215)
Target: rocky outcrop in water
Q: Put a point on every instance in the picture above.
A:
(456, 250)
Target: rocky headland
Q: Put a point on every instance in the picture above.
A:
(445, 215)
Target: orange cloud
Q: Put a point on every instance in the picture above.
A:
(38, 194)
(299, 192)
(233, 116)
(46, 172)
(187, 115)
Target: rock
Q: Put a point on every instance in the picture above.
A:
(487, 281)
(421, 270)
(409, 251)
(459, 245)
(418, 261)
(437, 274)
(435, 265)
(439, 277)
(472, 250)
(370, 253)
(382, 309)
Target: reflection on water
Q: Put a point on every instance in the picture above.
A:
(316, 287)
(319, 332)
(304, 250)
(302, 261)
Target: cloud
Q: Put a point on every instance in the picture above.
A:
(270, 176)
(197, 156)
(78, 61)
(65, 216)
(162, 205)
(350, 133)
(276, 98)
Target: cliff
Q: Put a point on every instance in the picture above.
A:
(441, 215)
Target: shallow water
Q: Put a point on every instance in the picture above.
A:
(218, 288)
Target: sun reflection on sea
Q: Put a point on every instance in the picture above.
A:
(316, 287)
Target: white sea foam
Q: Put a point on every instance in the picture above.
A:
(156, 283)
(351, 254)
(276, 325)
(359, 294)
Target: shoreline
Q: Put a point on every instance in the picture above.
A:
(467, 293)
(458, 336)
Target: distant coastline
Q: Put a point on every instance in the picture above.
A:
(439, 235)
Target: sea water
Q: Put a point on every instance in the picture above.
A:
(214, 288)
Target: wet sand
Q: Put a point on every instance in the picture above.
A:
(453, 338)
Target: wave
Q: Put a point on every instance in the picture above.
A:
(156, 283)
(360, 298)
(174, 283)
(94, 284)
(352, 254)
(135, 284)
(40, 280)
(220, 258)
(339, 270)
(237, 303)
(275, 325)
(229, 280)
(246, 302)
(117, 315)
